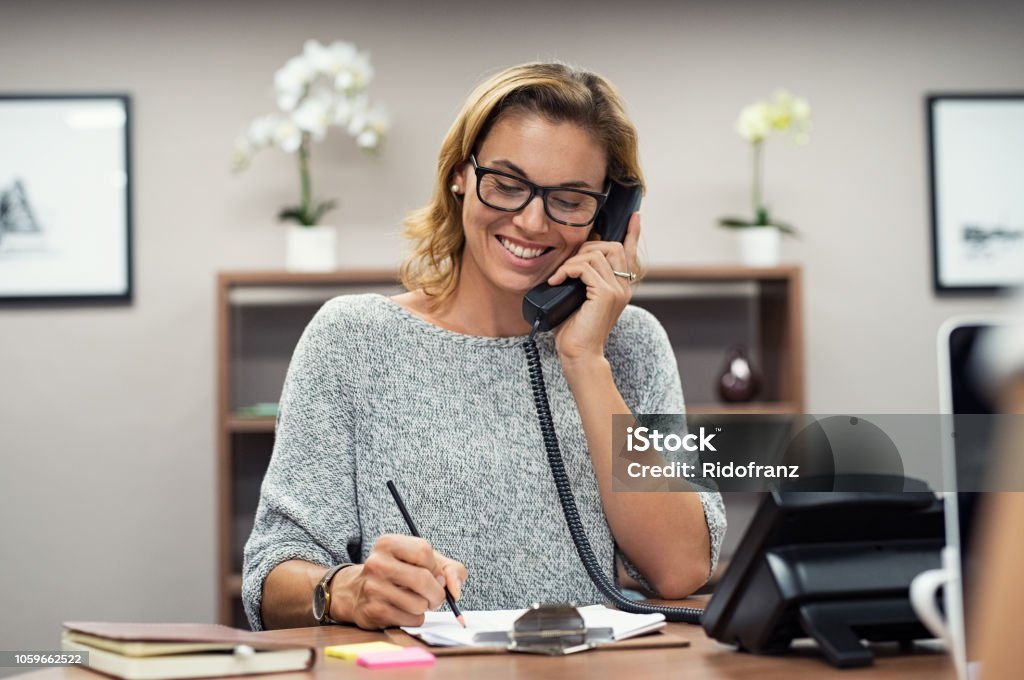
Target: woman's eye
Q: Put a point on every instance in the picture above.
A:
(563, 204)
(509, 188)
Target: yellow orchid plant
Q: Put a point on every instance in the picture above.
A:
(784, 113)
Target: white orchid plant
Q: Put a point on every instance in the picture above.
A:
(324, 86)
(784, 113)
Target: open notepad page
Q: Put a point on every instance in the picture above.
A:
(441, 628)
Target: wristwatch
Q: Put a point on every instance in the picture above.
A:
(322, 595)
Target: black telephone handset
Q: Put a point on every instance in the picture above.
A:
(545, 307)
(553, 304)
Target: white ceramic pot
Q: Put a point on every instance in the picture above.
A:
(311, 249)
(759, 246)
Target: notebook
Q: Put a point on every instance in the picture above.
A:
(163, 651)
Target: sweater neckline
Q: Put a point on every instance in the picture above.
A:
(495, 341)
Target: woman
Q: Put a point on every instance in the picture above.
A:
(430, 389)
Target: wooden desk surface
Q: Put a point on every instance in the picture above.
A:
(704, 658)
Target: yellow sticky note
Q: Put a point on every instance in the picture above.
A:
(349, 652)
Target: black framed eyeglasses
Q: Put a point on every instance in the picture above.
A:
(509, 193)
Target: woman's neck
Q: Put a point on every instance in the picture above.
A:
(475, 308)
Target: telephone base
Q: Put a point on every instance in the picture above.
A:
(834, 626)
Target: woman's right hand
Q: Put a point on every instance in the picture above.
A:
(402, 578)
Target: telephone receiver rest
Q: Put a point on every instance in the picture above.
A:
(553, 304)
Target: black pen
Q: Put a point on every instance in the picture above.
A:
(412, 529)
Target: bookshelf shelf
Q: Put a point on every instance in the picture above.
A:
(238, 424)
(748, 408)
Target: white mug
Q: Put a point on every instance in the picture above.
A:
(924, 599)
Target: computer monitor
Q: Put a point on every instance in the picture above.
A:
(966, 459)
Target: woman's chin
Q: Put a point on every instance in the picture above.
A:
(521, 285)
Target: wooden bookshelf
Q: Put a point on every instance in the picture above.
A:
(260, 315)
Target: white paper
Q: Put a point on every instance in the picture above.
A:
(442, 630)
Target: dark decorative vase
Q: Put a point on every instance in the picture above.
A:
(739, 381)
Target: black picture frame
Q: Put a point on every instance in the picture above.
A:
(976, 169)
(65, 198)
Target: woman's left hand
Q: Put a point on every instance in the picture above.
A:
(584, 334)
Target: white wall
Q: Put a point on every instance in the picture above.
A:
(107, 413)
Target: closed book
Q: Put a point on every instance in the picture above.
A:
(164, 651)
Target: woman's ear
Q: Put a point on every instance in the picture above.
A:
(457, 183)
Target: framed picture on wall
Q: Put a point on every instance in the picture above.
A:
(65, 198)
(976, 157)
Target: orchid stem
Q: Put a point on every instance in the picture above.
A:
(759, 211)
(306, 207)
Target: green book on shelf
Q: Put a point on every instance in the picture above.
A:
(262, 410)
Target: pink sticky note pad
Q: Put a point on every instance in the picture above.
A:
(407, 656)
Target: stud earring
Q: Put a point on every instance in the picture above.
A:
(455, 188)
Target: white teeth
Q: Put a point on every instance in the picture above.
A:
(525, 253)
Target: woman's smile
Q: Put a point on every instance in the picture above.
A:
(525, 253)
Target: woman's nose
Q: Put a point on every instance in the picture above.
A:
(532, 216)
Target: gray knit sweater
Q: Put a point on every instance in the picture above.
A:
(375, 393)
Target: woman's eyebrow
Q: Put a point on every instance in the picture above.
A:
(522, 173)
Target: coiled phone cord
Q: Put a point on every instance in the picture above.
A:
(572, 517)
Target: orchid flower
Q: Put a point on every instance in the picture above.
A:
(323, 87)
(785, 113)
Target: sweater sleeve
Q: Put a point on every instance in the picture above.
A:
(300, 515)
(651, 378)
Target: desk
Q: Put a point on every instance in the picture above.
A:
(704, 659)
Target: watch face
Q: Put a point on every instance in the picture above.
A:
(319, 602)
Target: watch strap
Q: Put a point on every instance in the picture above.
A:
(325, 585)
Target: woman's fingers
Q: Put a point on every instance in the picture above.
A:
(410, 549)
(620, 256)
(572, 267)
(455, 574)
(401, 579)
(385, 571)
(379, 613)
(391, 581)
(597, 270)
(631, 242)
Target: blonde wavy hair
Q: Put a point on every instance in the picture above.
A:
(558, 92)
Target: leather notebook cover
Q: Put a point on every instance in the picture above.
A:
(199, 633)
